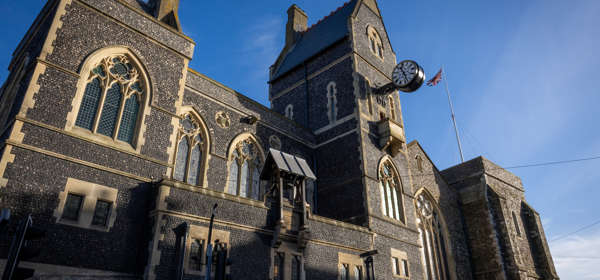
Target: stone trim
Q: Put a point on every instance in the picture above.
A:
(87, 65)
(213, 193)
(158, 236)
(401, 256)
(52, 271)
(230, 107)
(168, 27)
(351, 261)
(337, 223)
(252, 229)
(119, 22)
(91, 193)
(200, 232)
(16, 136)
(175, 120)
(373, 66)
(74, 160)
(311, 76)
(355, 130)
(74, 135)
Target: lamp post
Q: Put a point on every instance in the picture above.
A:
(209, 245)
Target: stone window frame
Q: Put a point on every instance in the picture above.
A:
(402, 257)
(419, 161)
(351, 261)
(517, 226)
(203, 132)
(289, 252)
(397, 186)
(91, 194)
(289, 111)
(235, 145)
(375, 42)
(332, 110)
(197, 232)
(450, 264)
(85, 75)
(369, 95)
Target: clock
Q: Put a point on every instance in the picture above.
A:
(408, 76)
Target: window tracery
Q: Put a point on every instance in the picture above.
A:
(244, 170)
(391, 192)
(191, 150)
(112, 99)
(432, 237)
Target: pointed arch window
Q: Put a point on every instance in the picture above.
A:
(190, 159)
(244, 170)
(331, 102)
(114, 94)
(391, 192)
(433, 238)
(375, 44)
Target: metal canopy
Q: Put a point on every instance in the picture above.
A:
(286, 163)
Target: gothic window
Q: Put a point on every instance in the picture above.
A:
(331, 102)
(112, 98)
(391, 192)
(289, 111)
(419, 160)
(516, 222)
(432, 237)
(392, 108)
(375, 44)
(244, 169)
(191, 151)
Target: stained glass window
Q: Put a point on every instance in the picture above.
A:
(89, 104)
(391, 193)
(181, 161)
(246, 160)
(189, 160)
(432, 238)
(194, 166)
(128, 121)
(116, 84)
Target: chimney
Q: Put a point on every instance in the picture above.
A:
(166, 12)
(297, 20)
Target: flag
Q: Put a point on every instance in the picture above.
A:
(436, 79)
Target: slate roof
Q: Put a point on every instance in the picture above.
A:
(317, 38)
(286, 162)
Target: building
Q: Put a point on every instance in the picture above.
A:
(119, 151)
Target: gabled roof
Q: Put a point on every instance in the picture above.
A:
(287, 163)
(317, 38)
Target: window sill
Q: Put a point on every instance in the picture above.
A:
(103, 139)
(82, 225)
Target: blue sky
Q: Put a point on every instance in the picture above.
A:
(522, 75)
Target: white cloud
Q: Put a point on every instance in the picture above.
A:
(577, 257)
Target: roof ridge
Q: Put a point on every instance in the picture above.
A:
(327, 16)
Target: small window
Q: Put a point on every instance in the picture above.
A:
(196, 255)
(404, 270)
(296, 268)
(358, 273)
(101, 213)
(516, 222)
(289, 111)
(278, 265)
(400, 267)
(345, 272)
(332, 102)
(72, 207)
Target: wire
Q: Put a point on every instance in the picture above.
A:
(578, 230)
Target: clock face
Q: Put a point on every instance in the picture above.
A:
(404, 73)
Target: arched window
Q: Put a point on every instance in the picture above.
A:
(192, 148)
(245, 161)
(431, 228)
(331, 102)
(375, 42)
(419, 160)
(391, 191)
(114, 95)
(289, 111)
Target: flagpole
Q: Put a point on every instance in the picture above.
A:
(445, 78)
